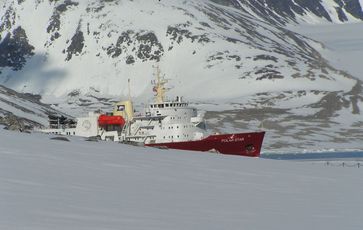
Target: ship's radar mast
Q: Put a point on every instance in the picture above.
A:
(129, 89)
(159, 86)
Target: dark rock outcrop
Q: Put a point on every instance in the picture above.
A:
(15, 49)
(76, 46)
(287, 10)
(55, 21)
(144, 45)
(14, 123)
(179, 32)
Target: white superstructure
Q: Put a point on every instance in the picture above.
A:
(165, 120)
(170, 121)
(162, 121)
(85, 127)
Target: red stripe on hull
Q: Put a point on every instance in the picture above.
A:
(242, 144)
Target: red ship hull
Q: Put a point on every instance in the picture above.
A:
(242, 144)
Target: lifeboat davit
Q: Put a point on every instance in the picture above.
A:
(104, 120)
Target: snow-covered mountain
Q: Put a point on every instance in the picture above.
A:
(82, 46)
(27, 107)
(222, 55)
(308, 11)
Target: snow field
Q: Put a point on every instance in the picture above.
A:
(49, 184)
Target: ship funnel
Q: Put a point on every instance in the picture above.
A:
(124, 109)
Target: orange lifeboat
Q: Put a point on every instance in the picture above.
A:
(104, 120)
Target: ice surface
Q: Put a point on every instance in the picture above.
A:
(48, 184)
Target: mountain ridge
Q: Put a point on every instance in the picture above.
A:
(110, 44)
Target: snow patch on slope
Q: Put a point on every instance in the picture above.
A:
(343, 44)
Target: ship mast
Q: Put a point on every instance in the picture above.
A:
(129, 89)
(159, 87)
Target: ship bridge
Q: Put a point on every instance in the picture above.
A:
(174, 110)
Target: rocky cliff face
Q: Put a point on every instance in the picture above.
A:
(22, 111)
(288, 11)
(15, 49)
(222, 55)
